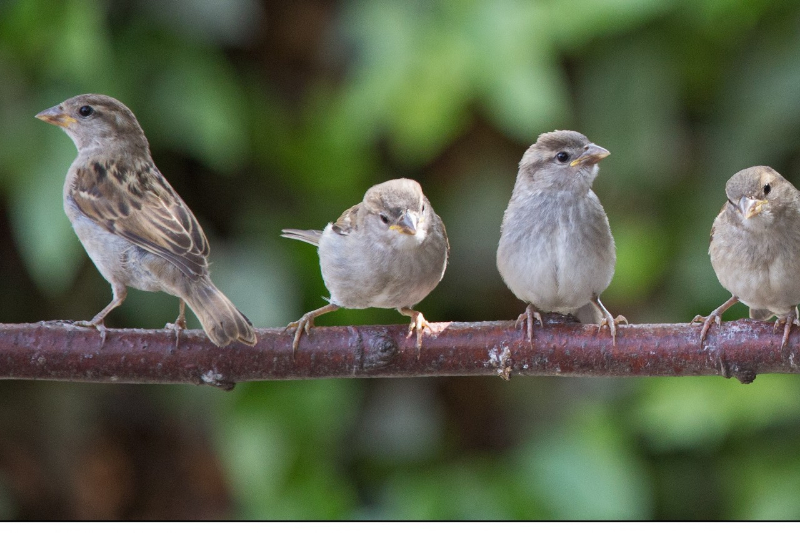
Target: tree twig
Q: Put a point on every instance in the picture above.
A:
(64, 352)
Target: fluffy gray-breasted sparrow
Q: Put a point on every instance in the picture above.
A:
(755, 248)
(556, 251)
(389, 251)
(134, 226)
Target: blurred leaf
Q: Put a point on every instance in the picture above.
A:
(331, 148)
(200, 108)
(521, 83)
(258, 458)
(641, 259)
(402, 423)
(16, 114)
(429, 108)
(302, 419)
(693, 287)
(82, 50)
(412, 76)
(630, 105)
(576, 22)
(465, 490)
(725, 20)
(762, 488)
(319, 492)
(533, 90)
(49, 246)
(258, 280)
(586, 471)
(474, 232)
(702, 412)
(758, 111)
(231, 22)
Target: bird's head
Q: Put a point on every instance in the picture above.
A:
(563, 159)
(96, 120)
(399, 210)
(756, 195)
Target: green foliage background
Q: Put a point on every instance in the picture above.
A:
(264, 115)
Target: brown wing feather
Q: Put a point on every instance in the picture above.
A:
(444, 234)
(348, 221)
(711, 236)
(138, 204)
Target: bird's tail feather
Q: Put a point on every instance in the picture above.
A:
(221, 320)
(311, 236)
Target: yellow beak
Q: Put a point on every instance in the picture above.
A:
(56, 116)
(407, 224)
(591, 155)
(750, 207)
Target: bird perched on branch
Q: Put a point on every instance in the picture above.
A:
(556, 251)
(755, 248)
(388, 251)
(134, 226)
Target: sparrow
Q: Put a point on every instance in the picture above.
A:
(388, 251)
(556, 251)
(755, 248)
(136, 229)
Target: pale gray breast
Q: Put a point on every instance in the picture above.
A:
(361, 271)
(761, 267)
(556, 249)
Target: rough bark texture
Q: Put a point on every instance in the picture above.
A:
(61, 351)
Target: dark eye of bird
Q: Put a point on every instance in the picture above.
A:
(562, 157)
(767, 188)
(85, 111)
(384, 219)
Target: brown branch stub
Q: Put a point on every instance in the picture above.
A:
(61, 351)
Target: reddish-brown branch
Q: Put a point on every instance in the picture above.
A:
(61, 351)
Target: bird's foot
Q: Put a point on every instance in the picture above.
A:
(611, 323)
(418, 324)
(786, 321)
(178, 326)
(608, 320)
(714, 317)
(305, 323)
(96, 324)
(526, 320)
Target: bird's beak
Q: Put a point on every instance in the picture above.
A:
(750, 207)
(55, 115)
(591, 155)
(407, 224)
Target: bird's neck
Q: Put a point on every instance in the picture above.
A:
(116, 150)
(528, 187)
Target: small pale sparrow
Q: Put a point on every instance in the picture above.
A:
(389, 251)
(556, 251)
(134, 226)
(755, 248)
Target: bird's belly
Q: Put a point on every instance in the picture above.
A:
(774, 287)
(359, 277)
(120, 261)
(554, 278)
(359, 295)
